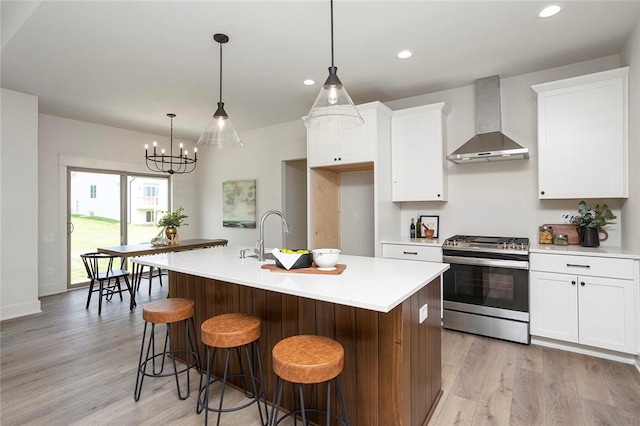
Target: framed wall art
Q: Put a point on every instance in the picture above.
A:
(432, 222)
(239, 204)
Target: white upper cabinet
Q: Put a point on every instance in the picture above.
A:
(337, 147)
(417, 154)
(583, 136)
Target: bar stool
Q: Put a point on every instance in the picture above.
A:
(168, 311)
(304, 360)
(239, 332)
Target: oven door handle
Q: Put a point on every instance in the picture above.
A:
(474, 261)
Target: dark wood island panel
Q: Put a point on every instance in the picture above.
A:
(392, 372)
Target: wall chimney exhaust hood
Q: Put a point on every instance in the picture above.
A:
(489, 144)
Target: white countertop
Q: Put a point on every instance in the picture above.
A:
(368, 282)
(577, 250)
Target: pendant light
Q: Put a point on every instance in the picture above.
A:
(167, 162)
(333, 106)
(220, 132)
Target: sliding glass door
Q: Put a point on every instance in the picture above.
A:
(110, 208)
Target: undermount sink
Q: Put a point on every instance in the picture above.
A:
(267, 255)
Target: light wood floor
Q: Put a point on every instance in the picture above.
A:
(69, 366)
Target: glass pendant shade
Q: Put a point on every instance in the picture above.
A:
(333, 107)
(220, 132)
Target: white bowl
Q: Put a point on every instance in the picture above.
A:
(326, 258)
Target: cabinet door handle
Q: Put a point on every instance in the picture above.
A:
(574, 265)
(411, 252)
(582, 283)
(542, 192)
(573, 283)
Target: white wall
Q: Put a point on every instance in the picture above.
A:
(260, 159)
(64, 143)
(19, 205)
(500, 198)
(356, 213)
(294, 193)
(631, 210)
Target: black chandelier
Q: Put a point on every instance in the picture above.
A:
(169, 163)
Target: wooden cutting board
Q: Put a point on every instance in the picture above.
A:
(571, 231)
(312, 270)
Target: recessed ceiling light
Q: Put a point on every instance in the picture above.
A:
(309, 82)
(549, 10)
(404, 54)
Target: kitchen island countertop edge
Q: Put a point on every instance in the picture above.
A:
(372, 283)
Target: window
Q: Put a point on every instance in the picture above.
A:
(151, 190)
(124, 212)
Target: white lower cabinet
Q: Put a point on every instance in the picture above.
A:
(419, 252)
(568, 303)
(412, 252)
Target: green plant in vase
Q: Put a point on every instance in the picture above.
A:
(591, 221)
(171, 222)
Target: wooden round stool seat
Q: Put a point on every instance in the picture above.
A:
(230, 330)
(170, 310)
(232, 333)
(308, 359)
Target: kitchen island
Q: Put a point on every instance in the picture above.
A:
(392, 371)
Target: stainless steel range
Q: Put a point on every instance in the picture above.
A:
(486, 290)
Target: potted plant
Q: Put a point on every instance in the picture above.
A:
(591, 221)
(171, 222)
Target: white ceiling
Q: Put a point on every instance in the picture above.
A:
(128, 64)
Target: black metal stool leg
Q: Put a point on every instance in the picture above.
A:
(277, 400)
(175, 366)
(256, 350)
(140, 375)
(150, 356)
(302, 408)
(343, 401)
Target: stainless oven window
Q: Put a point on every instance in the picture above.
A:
(487, 286)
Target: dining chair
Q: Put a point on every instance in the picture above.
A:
(149, 276)
(100, 269)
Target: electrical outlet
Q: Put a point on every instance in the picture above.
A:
(566, 218)
(49, 271)
(47, 238)
(424, 313)
(356, 217)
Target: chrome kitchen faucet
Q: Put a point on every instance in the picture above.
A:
(260, 246)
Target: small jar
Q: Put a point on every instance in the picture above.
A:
(560, 240)
(545, 235)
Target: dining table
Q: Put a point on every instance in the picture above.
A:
(145, 249)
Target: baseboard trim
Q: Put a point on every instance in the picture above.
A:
(20, 310)
(587, 350)
(50, 289)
